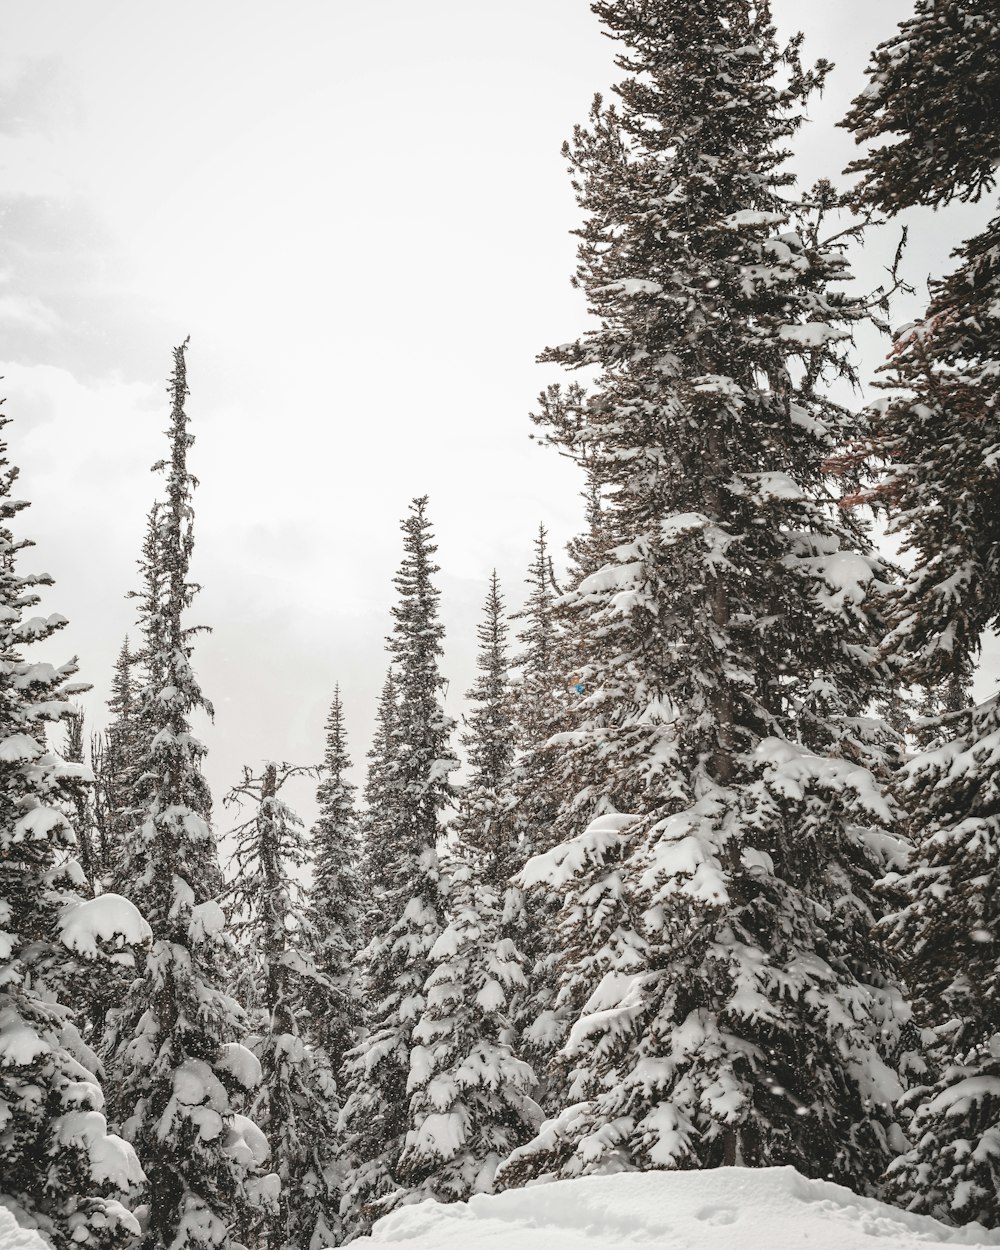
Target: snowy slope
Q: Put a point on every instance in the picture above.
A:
(14, 1237)
(724, 1209)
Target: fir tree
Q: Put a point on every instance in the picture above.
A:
(96, 983)
(58, 1163)
(470, 1103)
(174, 1062)
(412, 893)
(377, 823)
(731, 1005)
(87, 847)
(484, 822)
(539, 704)
(935, 89)
(117, 755)
(335, 900)
(296, 1100)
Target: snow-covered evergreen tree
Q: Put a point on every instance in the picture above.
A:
(470, 1094)
(59, 1165)
(377, 821)
(335, 903)
(117, 763)
(397, 959)
(296, 1102)
(88, 848)
(484, 822)
(539, 700)
(935, 90)
(731, 1005)
(175, 1065)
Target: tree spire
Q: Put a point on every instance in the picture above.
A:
(174, 1060)
(335, 900)
(415, 790)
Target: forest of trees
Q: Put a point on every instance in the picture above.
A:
(721, 884)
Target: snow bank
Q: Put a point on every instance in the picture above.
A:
(14, 1237)
(753, 1209)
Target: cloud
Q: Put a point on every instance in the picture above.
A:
(36, 96)
(24, 312)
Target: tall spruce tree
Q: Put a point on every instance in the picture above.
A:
(117, 763)
(470, 1100)
(485, 822)
(59, 1165)
(296, 1102)
(377, 822)
(174, 1063)
(412, 894)
(935, 91)
(88, 847)
(335, 904)
(539, 701)
(732, 1006)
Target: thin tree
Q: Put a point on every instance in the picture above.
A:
(471, 1099)
(87, 844)
(539, 699)
(378, 822)
(116, 758)
(335, 903)
(296, 1102)
(174, 1061)
(412, 895)
(485, 822)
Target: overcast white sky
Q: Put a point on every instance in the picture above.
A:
(360, 214)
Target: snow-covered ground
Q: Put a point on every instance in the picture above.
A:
(13, 1236)
(724, 1209)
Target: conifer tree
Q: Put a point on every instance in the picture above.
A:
(537, 701)
(59, 1165)
(730, 1003)
(174, 1063)
(335, 900)
(95, 983)
(484, 821)
(377, 821)
(116, 756)
(88, 851)
(539, 705)
(935, 91)
(296, 1103)
(412, 894)
(470, 1104)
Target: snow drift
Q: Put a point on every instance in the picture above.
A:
(14, 1237)
(752, 1209)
